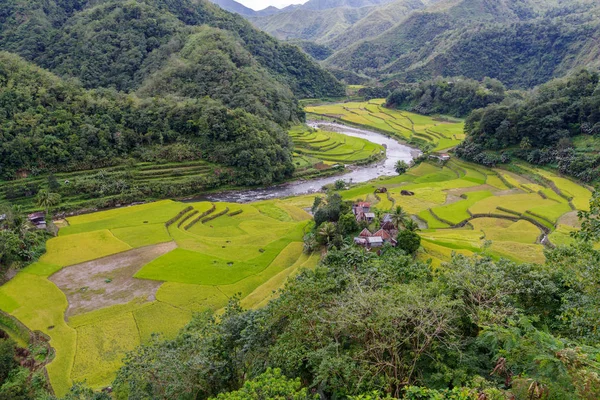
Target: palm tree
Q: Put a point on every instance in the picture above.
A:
(47, 199)
(399, 217)
(327, 231)
(411, 225)
(401, 167)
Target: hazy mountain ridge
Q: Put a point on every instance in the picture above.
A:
(521, 43)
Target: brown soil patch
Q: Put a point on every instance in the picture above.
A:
(109, 280)
(570, 219)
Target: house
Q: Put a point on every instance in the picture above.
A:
(38, 219)
(374, 241)
(386, 236)
(365, 233)
(361, 207)
(369, 217)
(441, 157)
(365, 217)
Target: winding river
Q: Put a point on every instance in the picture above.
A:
(395, 151)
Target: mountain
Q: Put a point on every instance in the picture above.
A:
(119, 44)
(328, 4)
(95, 83)
(521, 43)
(308, 24)
(337, 24)
(52, 124)
(235, 7)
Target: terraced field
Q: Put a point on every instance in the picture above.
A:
(333, 147)
(111, 279)
(437, 133)
(469, 209)
(22, 191)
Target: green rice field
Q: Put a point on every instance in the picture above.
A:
(234, 249)
(439, 133)
(467, 208)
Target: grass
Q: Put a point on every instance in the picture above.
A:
(192, 297)
(496, 229)
(134, 216)
(81, 247)
(145, 235)
(332, 146)
(159, 317)
(40, 305)
(101, 346)
(457, 212)
(252, 253)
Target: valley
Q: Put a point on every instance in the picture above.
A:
(340, 199)
(112, 278)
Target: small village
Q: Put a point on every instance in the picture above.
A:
(385, 234)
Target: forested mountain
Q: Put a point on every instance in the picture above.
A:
(120, 43)
(235, 7)
(136, 74)
(521, 43)
(49, 124)
(450, 96)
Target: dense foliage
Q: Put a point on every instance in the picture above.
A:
(119, 44)
(451, 96)
(20, 243)
(50, 124)
(541, 127)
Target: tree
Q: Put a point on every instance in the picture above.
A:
(47, 199)
(401, 167)
(399, 217)
(347, 224)
(270, 385)
(81, 392)
(590, 220)
(411, 225)
(7, 358)
(327, 232)
(408, 241)
(339, 184)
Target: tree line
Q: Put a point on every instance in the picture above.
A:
(48, 124)
(539, 127)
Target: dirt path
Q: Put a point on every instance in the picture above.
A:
(109, 280)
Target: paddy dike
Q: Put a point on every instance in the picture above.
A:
(109, 280)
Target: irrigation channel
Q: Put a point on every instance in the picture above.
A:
(394, 151)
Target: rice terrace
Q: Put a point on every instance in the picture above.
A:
(111, 279)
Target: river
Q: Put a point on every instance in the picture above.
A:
(394, 151)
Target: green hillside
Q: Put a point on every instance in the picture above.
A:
(49, 124)
(120, 43)
(521, 43)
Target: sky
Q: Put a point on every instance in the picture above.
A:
(260, 4)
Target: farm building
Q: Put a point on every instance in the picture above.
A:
(372, 240)
(38, 219)
(361, 207)
(442, 157)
